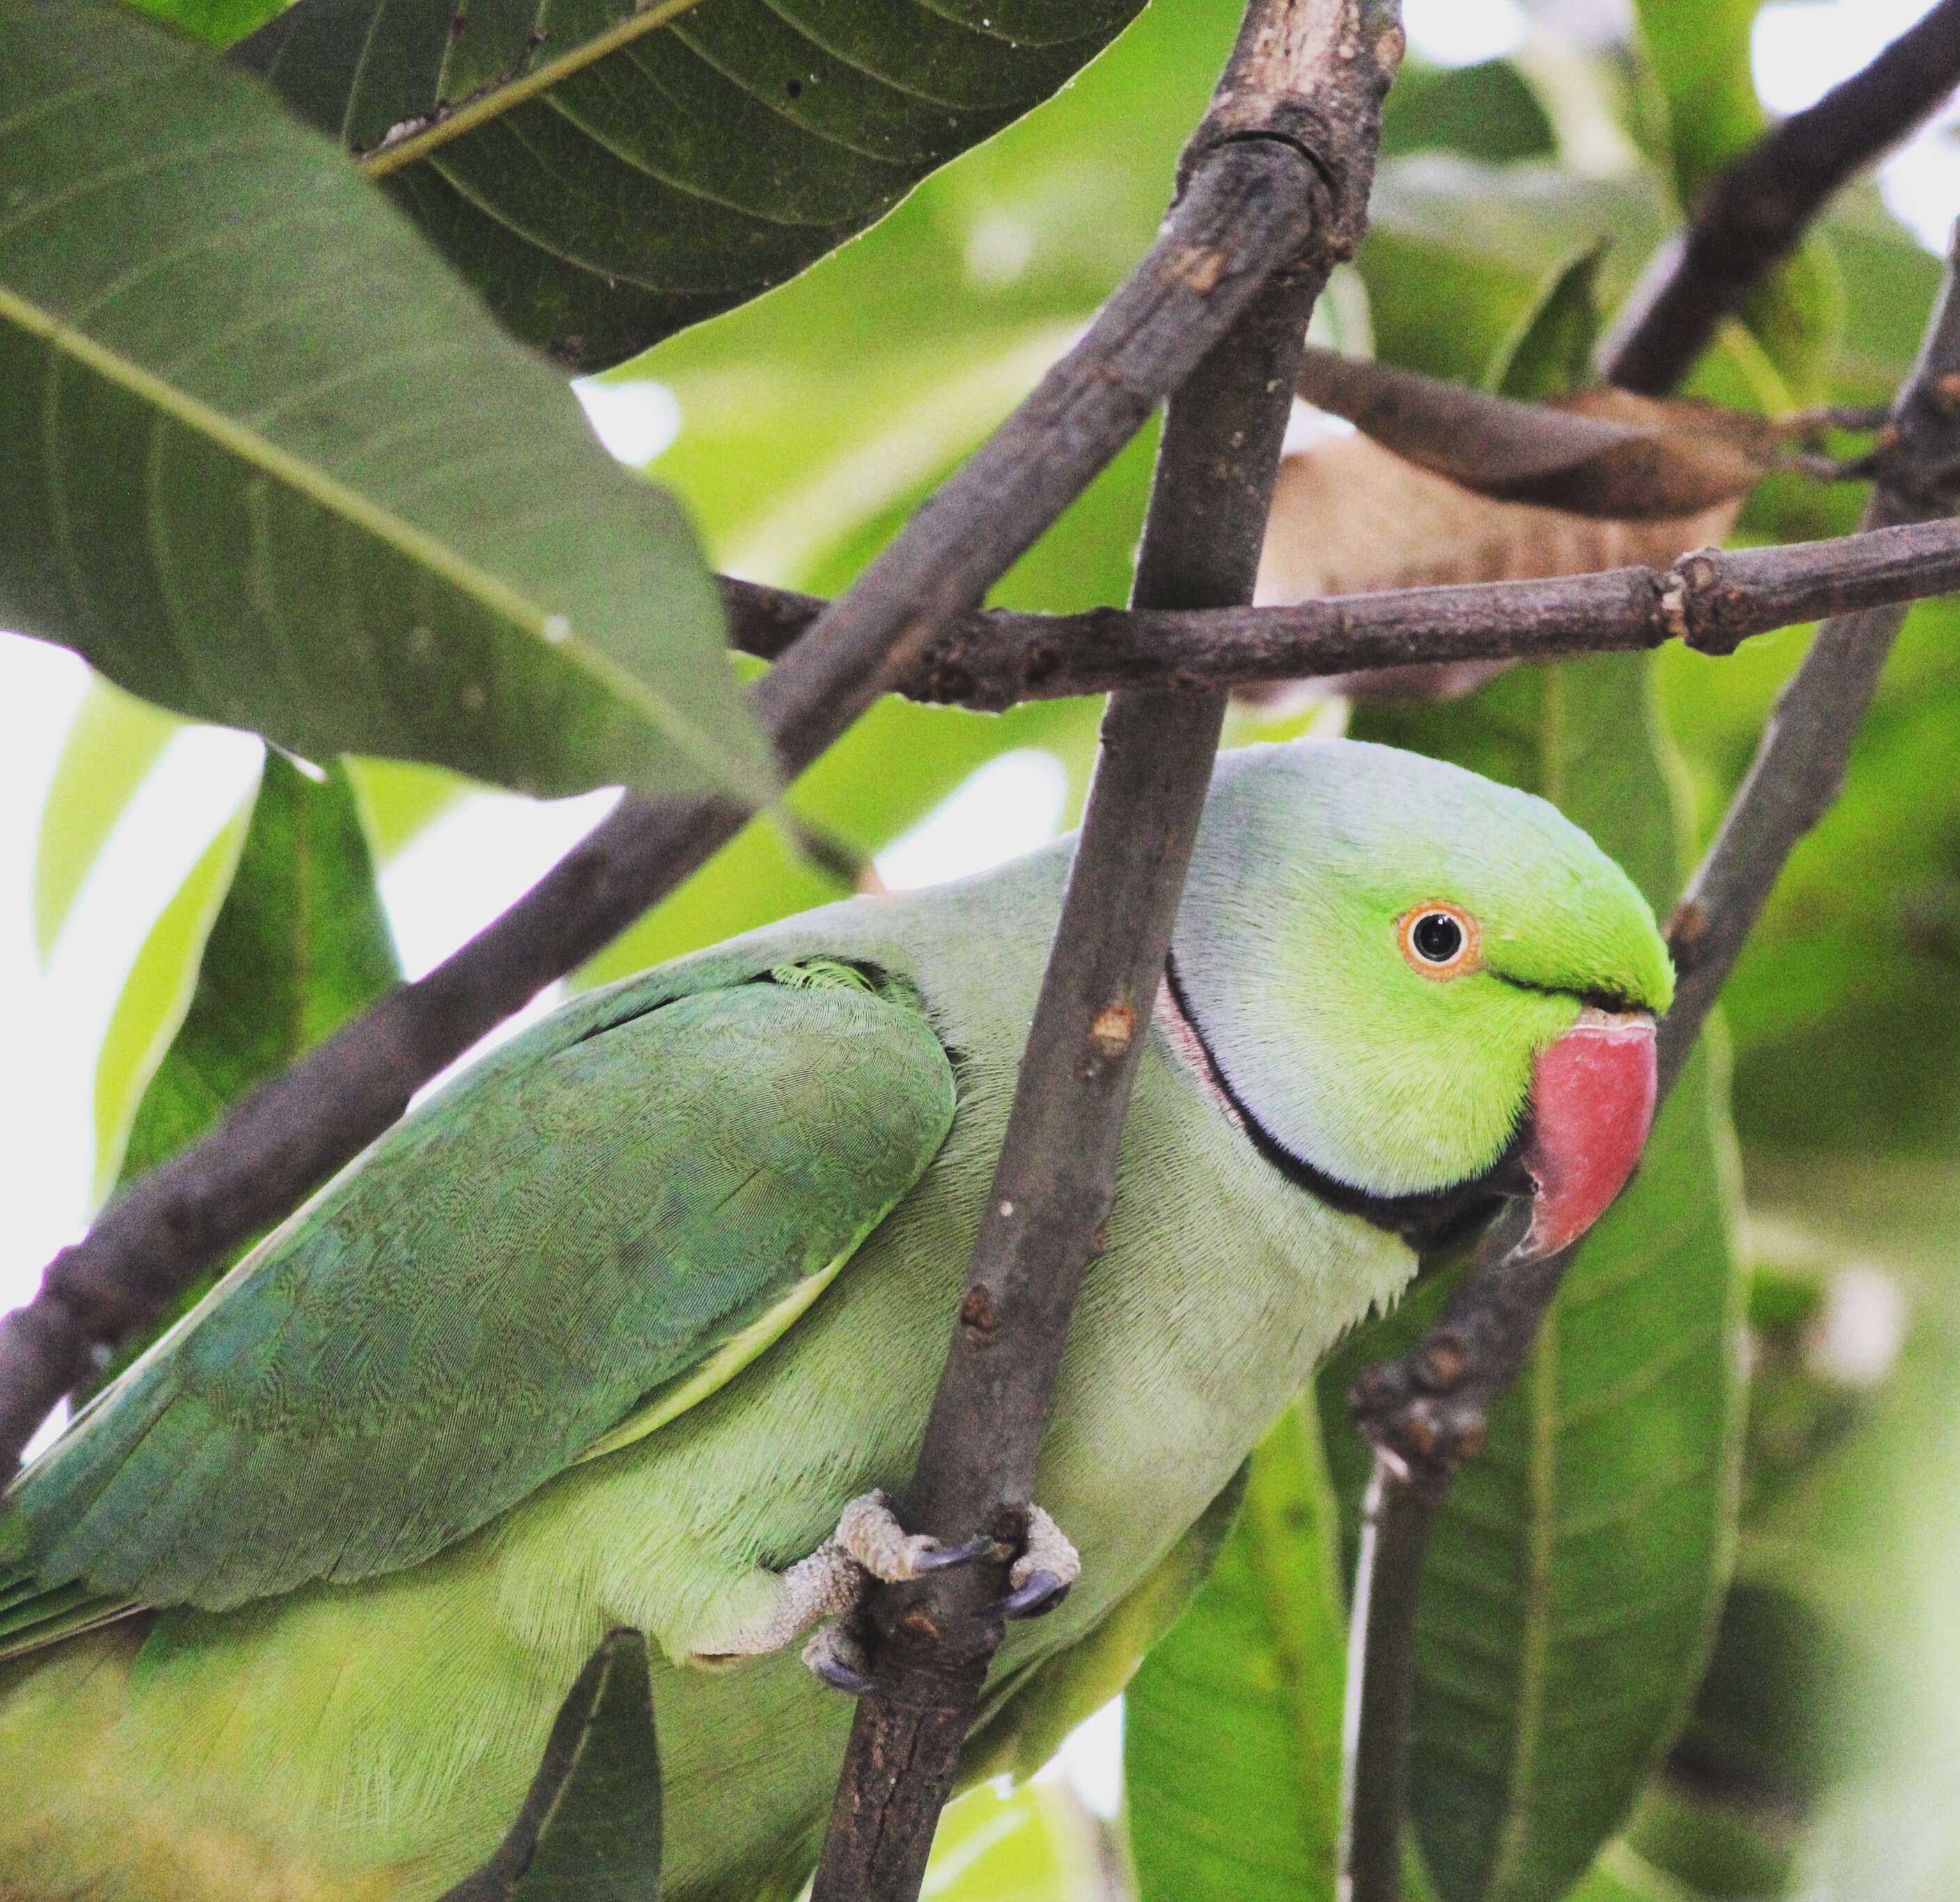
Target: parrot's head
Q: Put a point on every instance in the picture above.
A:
(1417, 990)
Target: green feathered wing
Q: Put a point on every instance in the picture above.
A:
(598, 1229)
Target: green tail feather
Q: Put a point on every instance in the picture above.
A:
(31, 1620)
(32, 1615)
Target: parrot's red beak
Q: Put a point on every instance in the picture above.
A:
(1592, 1100)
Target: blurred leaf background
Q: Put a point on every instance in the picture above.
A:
(1691, 1631)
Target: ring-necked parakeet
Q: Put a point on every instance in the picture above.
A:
(615, 1329)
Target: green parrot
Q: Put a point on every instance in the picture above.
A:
(638, 1322)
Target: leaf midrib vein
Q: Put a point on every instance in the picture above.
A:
(500, 100)
(335, 499)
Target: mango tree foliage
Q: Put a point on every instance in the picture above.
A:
(607, 175)
(270, 465)
(1232, 1729)
(814, 420)
(1571, 1588)
(1573, 1576)
(356, 454)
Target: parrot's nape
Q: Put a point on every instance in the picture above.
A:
(638, 1322)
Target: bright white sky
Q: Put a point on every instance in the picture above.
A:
(474, 861)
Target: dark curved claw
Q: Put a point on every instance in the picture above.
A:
(946, 1556)
(840, 1677)
(1040, 1595)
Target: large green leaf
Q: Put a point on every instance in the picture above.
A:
(1841, 1004)
(609, 172)
(1232, 1728)
(298, 945)
(269, 464)
(1570, 1590)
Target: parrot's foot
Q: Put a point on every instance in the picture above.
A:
(830, 1587)
(837, 1654)
(1039, 1579)
(870, 1531)
(831, 1583)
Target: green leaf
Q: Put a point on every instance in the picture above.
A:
(1699, 51)
(218, 22)
(269, 464)
(155, 996)
(1841, 1004)
(1232, 1728)
(1037, 1843)
(1485, 110)
(590, 1828)
(113, 742)
(607, 175)
(298, 946)
(1552, 352)
(1571, 1588)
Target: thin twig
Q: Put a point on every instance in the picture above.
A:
(1427, 1412)
(1240, 211)
(1301, 70)
(1713, 600)
(1755, 212)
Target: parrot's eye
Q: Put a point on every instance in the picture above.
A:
(1439, 939)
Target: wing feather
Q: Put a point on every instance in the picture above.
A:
(532, 1264)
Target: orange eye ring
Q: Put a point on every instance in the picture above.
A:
(1424, 935)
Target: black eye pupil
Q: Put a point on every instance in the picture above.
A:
(1437, 937)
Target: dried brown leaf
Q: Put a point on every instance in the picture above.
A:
(1350, 517)
(1600, 453)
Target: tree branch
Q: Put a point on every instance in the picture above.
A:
(1757, 210)
(1712, 599)
(1427, 1412)
(1307, 76)
(1241, 210)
